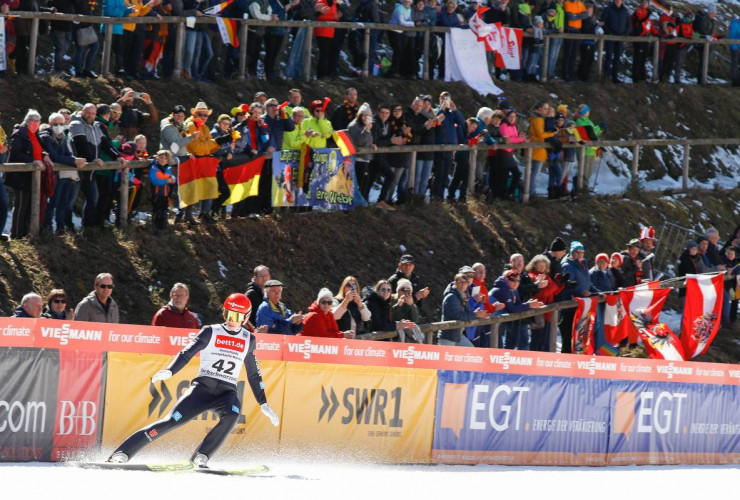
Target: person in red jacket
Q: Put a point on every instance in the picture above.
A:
(685, 30)
(483, 333)
(327, 12)
(320, 320)
(176, 313)
(539, 270)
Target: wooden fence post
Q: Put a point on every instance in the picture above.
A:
(307, 54)
(472, 170)
(35, 199)
(494, 335)
(527, 174)
(600, 58)
(366, 48)
(123, 208)
(426, 74)
(635, 162)
(32, 47)
(656, 60)
(179, 44)
(705, 63)
(243, 52)
(107, 48)
(545, 59)
(412, 173)
(686, 154)
(554, 320)
(582, 169)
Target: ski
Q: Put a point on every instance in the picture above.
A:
(249, 471)
(173, 467)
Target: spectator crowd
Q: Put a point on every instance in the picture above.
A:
(397, 304)
(99, 134)
(147, 50)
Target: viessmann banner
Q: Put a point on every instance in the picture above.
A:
(133, 402)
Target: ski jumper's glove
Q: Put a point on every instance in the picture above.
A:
(161, 375)
(269, 413)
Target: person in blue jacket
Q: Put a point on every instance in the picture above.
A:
(162, 180)
(505, 290)
(275, 314)
(578, 284)
(455, 308)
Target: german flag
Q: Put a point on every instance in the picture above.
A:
(305, 166)
(197, 180)
(344, 143)
(586, 133)
(243, 180)
(227, 29)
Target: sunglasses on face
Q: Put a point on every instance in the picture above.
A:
(59, 301)
(202, 115)
(385, 290)
(325, 302)
(109, 287)
(236, 317)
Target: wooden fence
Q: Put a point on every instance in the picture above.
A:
(180, 23)
(687, 144)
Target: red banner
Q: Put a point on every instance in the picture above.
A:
(702, 312)
(79, 404)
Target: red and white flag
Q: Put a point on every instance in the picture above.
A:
(661, 343)
(479, 27)
(493, 40)
(643, 305)
(702, 312)
(583, 326)
(615, 319)
(510, 55)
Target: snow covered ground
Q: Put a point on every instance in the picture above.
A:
(327, 481)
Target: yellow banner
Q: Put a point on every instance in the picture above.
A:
(381, 413)
(132, 402)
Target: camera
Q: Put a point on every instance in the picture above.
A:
(136, 95)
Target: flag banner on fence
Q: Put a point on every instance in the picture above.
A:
(702, 312)
(615, 315)
(243, 180)
(660, 5)
(344, 143)
(583, 326)
(305, 164)
(493, 40)
(197, 180)
(586, 133)
(217, 9)
(510, 55)
(465, 60)
(660, 342)
(478, 26)
(643, 305)
(332, 180)
(227, 30)
(153, 52)
(286, 191)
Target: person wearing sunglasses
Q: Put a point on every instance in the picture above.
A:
(99, 306)
(224, 348)
(379, 302)
(56, 305)
(320, 320)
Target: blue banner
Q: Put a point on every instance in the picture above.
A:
(520, 419)
(286, 190)
(332, 181)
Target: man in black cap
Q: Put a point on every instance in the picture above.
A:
(631, 263)
(558, 249)
(275, 314)
(405, 270)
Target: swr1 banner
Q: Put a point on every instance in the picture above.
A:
(132, 402)
(378, 412)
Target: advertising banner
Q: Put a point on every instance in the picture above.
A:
(385, 414)
(514, 419)
(658, 423)
(132, 402)
(28, 400)
(286, 190)
(79, 411)
(332, 181)
(17, 332)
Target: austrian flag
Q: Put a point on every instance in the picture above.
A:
(583, 326)
(702, 312)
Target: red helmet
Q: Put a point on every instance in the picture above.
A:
(238, 302)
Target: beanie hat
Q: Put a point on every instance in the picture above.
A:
(365, 109)
(223, 117)
(712, 9)
(558, 245)
(324, 293)
(583, 110)
(692, 244)
(403, 283)
(603, 256)
(525, 8)
(562, 108)
(576, 245)
(618, 256)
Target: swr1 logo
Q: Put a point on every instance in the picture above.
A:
(79, 420)
(364, 406)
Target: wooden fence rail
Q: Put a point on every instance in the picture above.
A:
(311, 25)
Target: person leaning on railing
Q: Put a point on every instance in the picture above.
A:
(455, 307)
(378, 300)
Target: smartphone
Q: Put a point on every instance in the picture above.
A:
(136, 95)
(353, 287)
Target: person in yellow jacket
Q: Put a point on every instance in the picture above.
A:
(296, 138)
(202, 144)
(320, 128)
(538, 134)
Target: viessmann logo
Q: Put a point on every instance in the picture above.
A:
(592, 365)
(508, 359)
(671, 370)
(307, 348)
(65, 333)
(410, 354)
(234, 344)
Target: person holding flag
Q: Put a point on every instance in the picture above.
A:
(224, 348)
